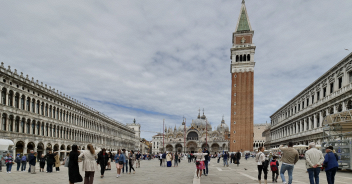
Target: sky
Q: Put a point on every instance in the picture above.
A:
(156, 59)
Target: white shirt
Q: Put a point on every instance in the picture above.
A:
(260, 158)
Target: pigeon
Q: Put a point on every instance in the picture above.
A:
(245, 169)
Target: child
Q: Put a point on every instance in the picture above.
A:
(274, 167)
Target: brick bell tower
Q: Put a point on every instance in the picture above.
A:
(242, 88)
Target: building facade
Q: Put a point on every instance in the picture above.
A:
(259, 138)
(300, 120)
(40, 118)
(242, 88)
(137, 129)
(199, 134)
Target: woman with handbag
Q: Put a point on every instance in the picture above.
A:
(200, 161)
(103, 159)
(73, 169)
(88, 164)
(8, 161)
(120, 160)
(132, 158)
(262, 165)
(42, 160)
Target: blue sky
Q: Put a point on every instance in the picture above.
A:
(155, 60)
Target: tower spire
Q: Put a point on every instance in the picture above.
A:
(243, 23)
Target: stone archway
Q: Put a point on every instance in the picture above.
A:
(30, 146)
(19, 147)
(215, 148)
(62, 151)
(56, 147)
(191, 147)
(204, 145)
(49, 147)
(40, 149)
(169, 147)
(179, 148)
(68, 148)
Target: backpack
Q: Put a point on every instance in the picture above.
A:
(24, 158)
(273, 166)
(18, 160)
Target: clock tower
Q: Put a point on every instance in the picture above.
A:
(242, 88)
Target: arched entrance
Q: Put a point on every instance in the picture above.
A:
(49, 147)
(40, 149)
(30, 146)
(68, 148)
(56, 147)
(192, 136)
(215, 148)
(179, 148)
(205, 146)
(62, 151)
(191, 147)
(19, 147)
(169, 147)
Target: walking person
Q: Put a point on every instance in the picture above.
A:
(103, 159)
(108, 167)
(73, 169)
(274, 167)
(18, 162)
(50, 160)
(164, 159)
(206, 162)
(176, 156)
(30, 155)
(131, 158)
(314, 161)
(125, 165)
(8, 161)
(219, 156)
(88, 164)
(232, 160)
(57, 162)
(120, 160)
(1, 159)
(32, 162)
(169, 159)
(200, 157)
(331, 164)
(42, 160)
(225, 157)
(238, 157)
(289, 159)
(261, 165)
(138, 160)
(161, 159)
(24, 163)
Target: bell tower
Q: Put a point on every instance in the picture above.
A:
(242, 88)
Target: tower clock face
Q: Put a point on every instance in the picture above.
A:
(243, 40)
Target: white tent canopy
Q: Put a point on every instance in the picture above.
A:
(5, 143)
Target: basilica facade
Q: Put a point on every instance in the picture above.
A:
(40, 118)
(199, 134)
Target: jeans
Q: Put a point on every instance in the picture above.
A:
(125, 166)
(8, 167)
(289, 169)
(23, 167)
(49, 168)
(265, 170)
(330, 175)
(205, 171)
(225, 162)
(161, 162)
(314, 175)
(175, 162)
(18, 166)
(218, 159)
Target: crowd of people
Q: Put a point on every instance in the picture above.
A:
(315, 162)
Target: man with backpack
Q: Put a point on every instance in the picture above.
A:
(274, 167)
(24, 163)
(18, 161)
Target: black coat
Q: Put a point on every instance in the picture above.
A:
(73, 170)
(103, 159)
(50, 160)
(32, 160)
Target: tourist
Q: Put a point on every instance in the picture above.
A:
(189, 157)
(73, 169)
(200, 157)
(32, 162)
(176, 160)
(232, 160)
(42, 160)
(169, 159)
(331, 164)
(18, 162)
(24, 163)
(8, 161)
(125, 165)
(225, 157)
(30, 155)
(88, 163)
(108, 167)
(274, 167)
(289, 159)
(103, 159)
(120, 160)
(219, 157)
(112, 159)
(314, 161)
(161, 159)
(1, 159)
(50, 160)
(138, 160)
(131, 159)
(206, 162)
(57, 162)
(261, 165)
(238, 157)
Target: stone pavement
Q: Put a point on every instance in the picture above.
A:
(151, 173)
(239, 175)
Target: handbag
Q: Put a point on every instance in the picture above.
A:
(197, 163)
(67, 161)
(121, 162)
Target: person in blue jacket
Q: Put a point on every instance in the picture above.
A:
(331, 164)
(120, 160)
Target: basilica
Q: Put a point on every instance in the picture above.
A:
(199, 134)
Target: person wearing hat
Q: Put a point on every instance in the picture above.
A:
(331, 164)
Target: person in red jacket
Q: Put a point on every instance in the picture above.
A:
(274, 167)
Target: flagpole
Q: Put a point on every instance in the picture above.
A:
(184, 139)
(163, 134)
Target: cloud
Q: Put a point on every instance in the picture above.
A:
(155, 60)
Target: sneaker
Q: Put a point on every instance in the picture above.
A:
(9, 172)
(117, 176)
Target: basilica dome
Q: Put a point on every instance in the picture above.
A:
(223, 126)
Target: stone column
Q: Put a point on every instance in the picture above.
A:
(305, 124)
(320, 120)
(297, 128)
(343, 104)
(7, 97)
(309, 123)
(315, 121)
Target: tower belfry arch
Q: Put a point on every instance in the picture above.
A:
(242, 90)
